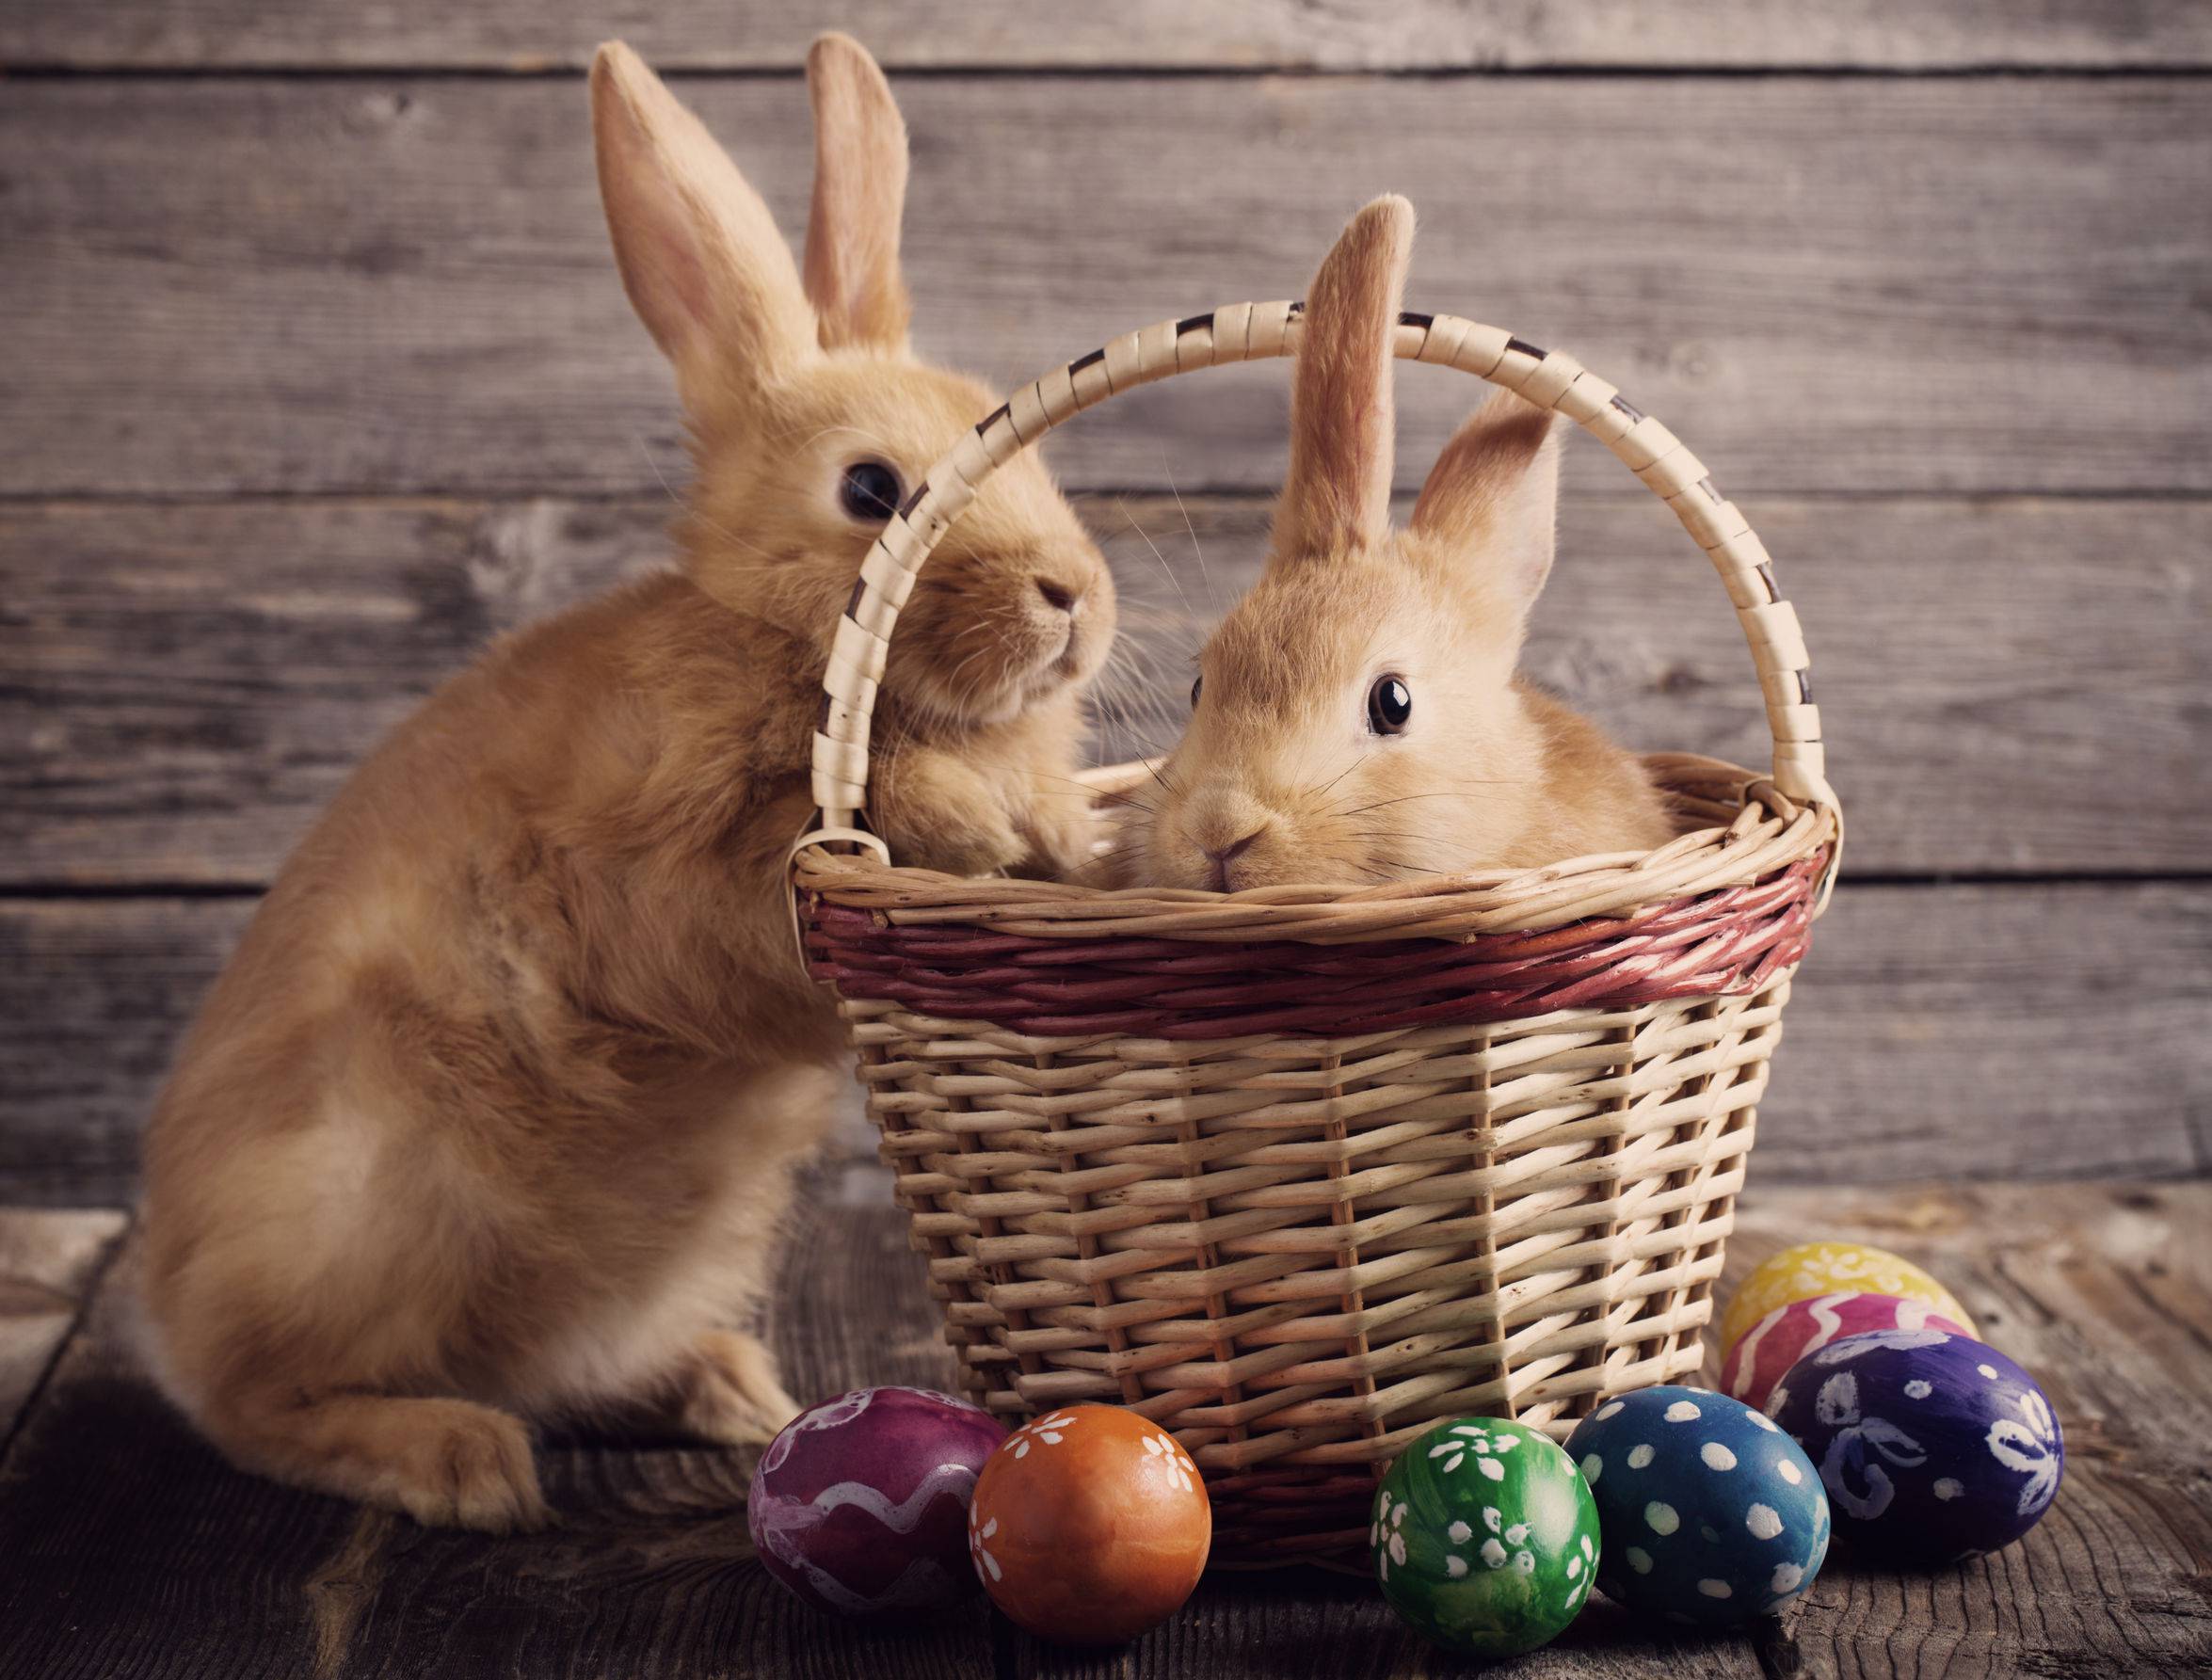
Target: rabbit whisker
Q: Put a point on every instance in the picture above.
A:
(1158, 556)
(1197, 548)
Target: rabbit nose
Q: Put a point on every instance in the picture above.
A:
(1221, 857)
(1235, 848)
(1058, 596)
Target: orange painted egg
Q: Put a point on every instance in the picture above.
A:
(1089, 1526)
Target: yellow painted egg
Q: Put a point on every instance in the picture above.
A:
(1831, 1268)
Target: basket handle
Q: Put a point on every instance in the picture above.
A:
(1251, 332)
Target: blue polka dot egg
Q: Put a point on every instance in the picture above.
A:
(1710, 1514)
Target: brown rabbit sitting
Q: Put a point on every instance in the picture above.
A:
(491, 1115)
(1358, 718)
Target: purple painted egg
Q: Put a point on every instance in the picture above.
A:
(1766, 1350)
(1932, 1446)
(860, 1505)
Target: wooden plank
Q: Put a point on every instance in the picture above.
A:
(1421, 35)
(1854, 284)
(649, 1572)
(49, 1259)
(93, 997)
(189, 684)
(1979, 1033)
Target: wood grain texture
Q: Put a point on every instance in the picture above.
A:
(1426, 35)
(1983, 1033)
(171, 1563)
(387, 284)
(49, 1259)
(187, 685)
(93, 997)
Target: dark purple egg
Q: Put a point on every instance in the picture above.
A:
(860, 1505)
(1932, 1446)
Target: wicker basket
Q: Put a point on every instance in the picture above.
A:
(1298, 1170)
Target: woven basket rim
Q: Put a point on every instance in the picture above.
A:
(1747, 831)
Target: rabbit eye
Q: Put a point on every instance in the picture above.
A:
(1196, 683)
(868, 492)
(1389, 703)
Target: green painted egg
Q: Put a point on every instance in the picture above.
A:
(1485, 1537)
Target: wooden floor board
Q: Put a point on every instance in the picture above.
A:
(1856, 285)
(1424, 35)
(49, 1260)
(136, 1550)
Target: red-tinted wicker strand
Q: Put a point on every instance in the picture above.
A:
(1721, 943)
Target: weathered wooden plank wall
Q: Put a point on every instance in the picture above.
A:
(1422, 35)
(1839, 284)
(318, 375)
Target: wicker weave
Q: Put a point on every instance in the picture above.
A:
(1298, 1170)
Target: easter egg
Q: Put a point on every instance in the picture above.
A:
(1485, 1538)
(1089, 1526)
(1788, 1334)
(1712, 1515)
(1831, 1269)
(1933, 1446)
(860, 1504)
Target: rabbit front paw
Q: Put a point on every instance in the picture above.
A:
(1062, 831)
(937, 812)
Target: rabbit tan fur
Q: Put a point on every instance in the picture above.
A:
(490, 1118)
(1285, 774)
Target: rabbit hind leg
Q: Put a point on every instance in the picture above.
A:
(445, 1462)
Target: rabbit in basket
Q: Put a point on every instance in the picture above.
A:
(1357, 717)
(490, 1118)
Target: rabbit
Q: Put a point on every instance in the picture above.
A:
(492, 1117)
(1357, 717)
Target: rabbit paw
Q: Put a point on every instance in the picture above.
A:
(728, 1392)
(471, 1467)
(1061, 832)
(448, 1463)
(937, 812)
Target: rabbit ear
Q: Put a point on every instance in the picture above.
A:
(1338, 494)
(1496, 490)
(859, 192)
(701, 256)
